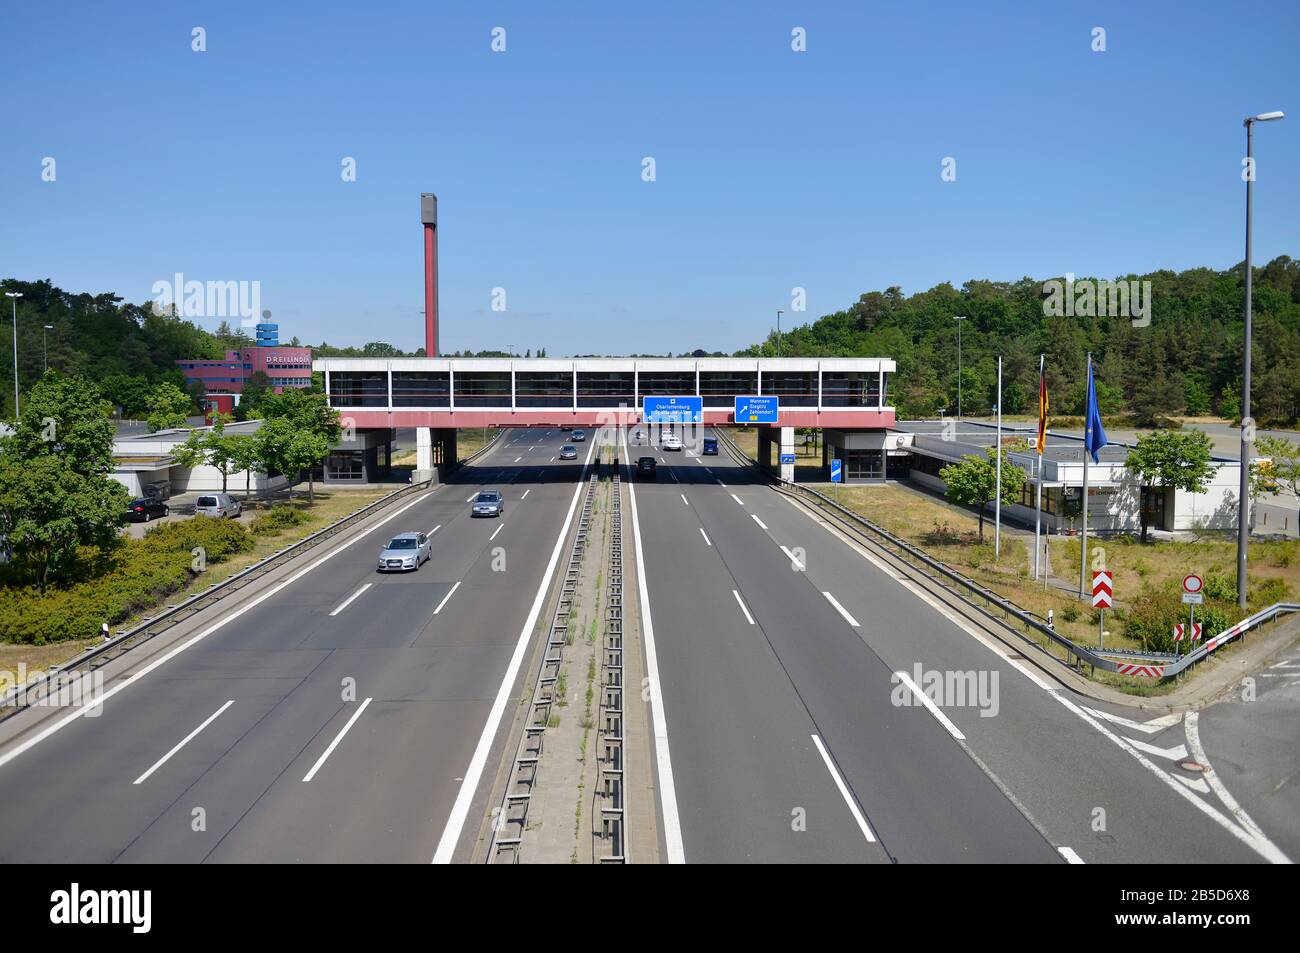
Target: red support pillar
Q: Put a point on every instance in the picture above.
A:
(429, 218)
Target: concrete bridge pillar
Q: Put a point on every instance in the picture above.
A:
(423, 454)
(787, 451)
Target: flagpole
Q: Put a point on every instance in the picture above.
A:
(997, 496)
(1038, 495)
(1083, 547)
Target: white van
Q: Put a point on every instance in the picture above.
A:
(218, 505)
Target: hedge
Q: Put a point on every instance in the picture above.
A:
(278, 518)
(131, 577)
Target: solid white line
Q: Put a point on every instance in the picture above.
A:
(495, 531)
(526, 492)
(844, 790)
(706, 536)
(1191, 724)
(460, 809)
(348, 601)
(684, 500)
(337, 738)
(758, 521)
(840, 609)
(163, 659)
(930, 705)
(446, 597)
(676, 853)
(1069, 855)
(737, 499)
(741, 602)
(183, 742)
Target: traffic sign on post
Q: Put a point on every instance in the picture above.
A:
(1193, 583)
(758, 410)
(787, 458)
(837, 474)
(1181, 629)
(673, 410)
(1103, 589)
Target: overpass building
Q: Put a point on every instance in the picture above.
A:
(439, 395)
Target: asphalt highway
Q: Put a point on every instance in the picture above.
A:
(243, 747)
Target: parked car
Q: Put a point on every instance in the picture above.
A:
(568, 452)
(220, 505)
(159, 489)
(671, 442)
(578, 436)
(710, 447)
(405, 551)
(647, 468)
(488, 503)
(145, 508)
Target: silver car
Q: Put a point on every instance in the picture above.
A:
(568, 452)
(488, 503)
(405, 551)
(220, 505)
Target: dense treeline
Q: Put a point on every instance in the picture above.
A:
(1188, 361)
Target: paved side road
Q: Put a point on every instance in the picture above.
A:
(333, 721)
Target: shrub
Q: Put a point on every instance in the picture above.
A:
(278, 518)
(114, 584)
(1153, 615)
(1219, 586)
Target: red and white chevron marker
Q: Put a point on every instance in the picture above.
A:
(1181, 629)
(1103, 589)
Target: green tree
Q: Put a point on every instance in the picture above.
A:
(307, 410)
(55, 494)
(127, 391)
(168, 406)
(245, 454)
(256, 389)
(1284, 469)
(285, 447)
(1171, 458)
(211, 447)
(973, 482)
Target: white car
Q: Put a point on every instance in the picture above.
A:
(671, 442)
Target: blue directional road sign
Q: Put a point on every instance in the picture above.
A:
(758, 410)
(673, 410)
(837, 474)
(787, 458)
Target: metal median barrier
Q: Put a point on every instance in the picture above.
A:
(981, 598)
(37, 690)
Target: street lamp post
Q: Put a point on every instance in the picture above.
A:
(45, 348)
(778, 331)
(14, 296)
(959, 320)
(1243, 494)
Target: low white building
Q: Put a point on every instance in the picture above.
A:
(146, 460)
(1115, 496)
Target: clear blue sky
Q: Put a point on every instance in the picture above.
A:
(775, 169)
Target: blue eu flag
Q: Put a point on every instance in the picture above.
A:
(1094, 435)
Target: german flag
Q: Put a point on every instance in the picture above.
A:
(1043, 405)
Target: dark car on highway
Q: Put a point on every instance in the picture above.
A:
(145, 508)
(647, 468)
(710, 446)
(568, 452)
(578, 435)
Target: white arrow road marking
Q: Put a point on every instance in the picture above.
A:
(183, 742)
(1172, 754)
(1151, 727)
(1197, 785)
(337, 738)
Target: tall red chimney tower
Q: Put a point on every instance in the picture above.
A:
(429, 218)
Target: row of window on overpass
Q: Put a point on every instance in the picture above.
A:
(435, 389)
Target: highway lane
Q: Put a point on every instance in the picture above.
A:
(1056, 764)
(381, 789)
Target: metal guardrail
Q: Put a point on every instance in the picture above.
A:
(1158, 665)
(36, 691)
(612, 789)
(510, 820)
